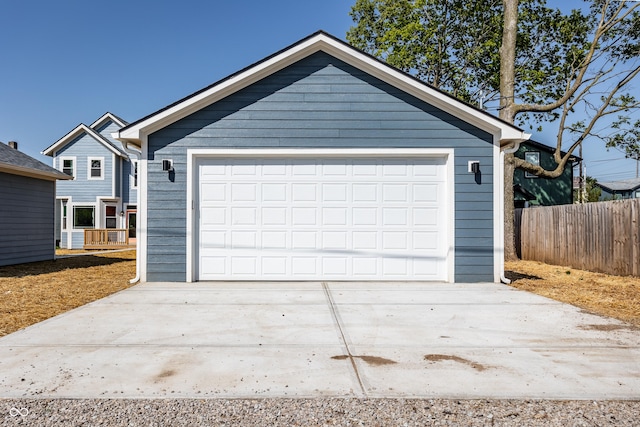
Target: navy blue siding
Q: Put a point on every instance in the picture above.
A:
(27, 218)
(315, 103)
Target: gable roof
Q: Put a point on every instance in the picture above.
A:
(623, 185)
(320, 41)
(106, 117)
(17, 163)
(89, 130)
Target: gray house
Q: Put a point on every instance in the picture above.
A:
(320, 162)
(28, 189)
(624, 189)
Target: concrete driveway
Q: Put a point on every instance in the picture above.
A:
(244, 340)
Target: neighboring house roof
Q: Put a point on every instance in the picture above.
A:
(89, 130)
(623, 185)
(526, 194)
(106, 117)
(504, 133)
(17, 163)
(544, 147)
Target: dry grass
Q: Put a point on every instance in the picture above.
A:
(33, 292)
(613, 296)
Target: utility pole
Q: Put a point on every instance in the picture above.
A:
(582, 188)
(584, 184)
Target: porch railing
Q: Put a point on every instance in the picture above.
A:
(107, 238)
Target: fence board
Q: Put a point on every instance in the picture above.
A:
(602, 237)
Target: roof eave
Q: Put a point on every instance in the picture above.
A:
(33, 173)
(502, 131)
(108, 116)
(74, 133)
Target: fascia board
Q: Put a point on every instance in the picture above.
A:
(32, 173)
(215, 93)
(107, 116)
(82, 128)
(414, 87)
(342, 51)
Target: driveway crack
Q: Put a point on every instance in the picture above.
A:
(338, 323)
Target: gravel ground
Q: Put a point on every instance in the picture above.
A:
(316, 412)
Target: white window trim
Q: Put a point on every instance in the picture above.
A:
(132, 179)
(102, 165)
(75, 164)
(527, 174)
(73, 215)
(64, 217)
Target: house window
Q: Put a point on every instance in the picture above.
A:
(84, 217)
(64, 214)
(110, 219)
(532, 157)
(68, 166)
(96, 168)
(134, 174)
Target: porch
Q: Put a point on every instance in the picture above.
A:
(107, 238)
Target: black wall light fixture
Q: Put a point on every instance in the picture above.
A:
(167, 165)
(474, 168)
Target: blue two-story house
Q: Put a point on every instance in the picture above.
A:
(103, 193)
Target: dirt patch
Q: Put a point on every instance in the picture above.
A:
(447, 357)
(598, 293)
(31, 293)
(370, 360)
(376, 361)
(608, 328)
(166, 374)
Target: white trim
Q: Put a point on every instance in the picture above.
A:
(529, 175)
(450, 200)
(498, 214)
(69, 230)
(142, 211)
(105, 117)
(193, 155)
(192, 208)
(90, 159)
(121, 176)
(103, 209)
(61, 160)
(132, 175)
(324, 152)
(75, 132)
(85, 205)
(322, 42)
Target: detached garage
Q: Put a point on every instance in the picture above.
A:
(320, 163)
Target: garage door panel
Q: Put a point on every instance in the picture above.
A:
(322, 219)
(274, 239)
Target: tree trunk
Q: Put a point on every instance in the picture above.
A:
(510, 253)
(507, 113)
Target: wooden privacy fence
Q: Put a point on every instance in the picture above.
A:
(107, 238)
(602, 237)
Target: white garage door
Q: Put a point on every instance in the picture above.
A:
(322, 219)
